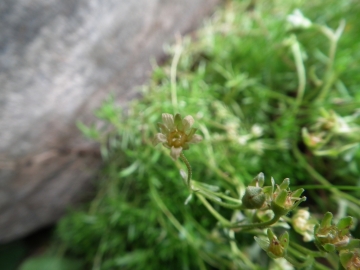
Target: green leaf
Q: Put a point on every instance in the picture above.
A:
(129, 170)
(262, 242)
(178, 122)
(329, 247)
(89, 132)
(285, 184)
(326, 221)
(345, 223)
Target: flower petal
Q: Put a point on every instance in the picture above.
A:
(196, 139)
(168, 120)
(163, 129)
(178, 122)
(191, 133)
(167, 145)
(159, 138)
(175, 152)
(188, 121)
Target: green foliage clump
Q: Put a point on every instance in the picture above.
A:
(268, 92)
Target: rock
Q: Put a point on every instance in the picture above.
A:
(58, 60)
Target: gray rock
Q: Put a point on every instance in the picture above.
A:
(58, 60)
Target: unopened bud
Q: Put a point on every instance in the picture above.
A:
(253, 198)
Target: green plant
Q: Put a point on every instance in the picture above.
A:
(270, 91)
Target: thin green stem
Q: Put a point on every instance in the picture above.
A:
(224, 222)
(329, 81)
(235, 250)
(216, 200)
(307, 251)
(259, 225)
(295, 48)
(320, 178)
(302, 256)
(327, 187)
(329, 76)
(169, 215)
(293, 261)
(188, 166)
(319, 266)
(177, 224)
(198, 185)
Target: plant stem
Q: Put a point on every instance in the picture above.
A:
(198, 185)
(224, 222)
(173, 69)
(235, 250)
(177, 224)
(188, 166)
(294, 262)
(320, 178)
(307, 251)
(295, 48)
(216, 200)
(169, 215)
(259, 225)
(329, 76)
(327, 187)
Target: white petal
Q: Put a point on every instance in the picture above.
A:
(175, 152)
(188, 121)
(168, 120)
(159, 138)
(195, 139)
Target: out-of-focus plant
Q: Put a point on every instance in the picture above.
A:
(269, 89)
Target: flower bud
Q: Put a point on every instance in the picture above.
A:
(350, 259)
(283, 199)
(274, 247)
(253, 198)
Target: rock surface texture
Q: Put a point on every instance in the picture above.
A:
(58, 60)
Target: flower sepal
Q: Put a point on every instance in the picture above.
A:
(350, 259)
(330, 237)
(254, 197)
(273, 246)
(284, 200)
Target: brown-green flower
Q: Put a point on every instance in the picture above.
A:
(274, 247)
(331, 237)
(176, 133)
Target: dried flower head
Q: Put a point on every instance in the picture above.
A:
(330, 236)
(283, 199)
(275, 247)
(176, 133)
(350, 259)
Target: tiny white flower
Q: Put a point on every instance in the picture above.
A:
(176, 133)
(297, 20)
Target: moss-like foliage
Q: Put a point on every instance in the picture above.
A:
(267, 95)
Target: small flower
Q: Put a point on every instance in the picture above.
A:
(176, 133)
(330, 237)
(274, 247)
(283, 199)
(298, 20)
